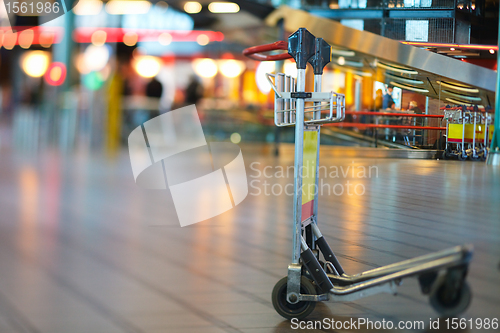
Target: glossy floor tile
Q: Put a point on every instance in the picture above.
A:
(83, 249)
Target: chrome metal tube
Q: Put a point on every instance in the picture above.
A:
(454, 251)
(278, 102)
(486, 134)
(316, 231)
(474, 136)
(288, 100)
(463, 133)
(317, 88)
(303, 243)
(422, 268)
(457, 253)
(426, 123)
(317, 115)
(293, 103)
(299, 155)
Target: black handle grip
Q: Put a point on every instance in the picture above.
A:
(301, 47)
(322, 55)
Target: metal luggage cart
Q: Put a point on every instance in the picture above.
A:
(485, 132)
(310, 278)
(455, 133)
(467, 133)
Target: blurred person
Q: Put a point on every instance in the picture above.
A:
(154, 88)
(414, 107)
(150, 106)
(379, 98)
(194, 90)
(388, 101)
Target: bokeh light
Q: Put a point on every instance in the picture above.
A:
(93, 81)
(9, 39)
(26, 38)
(260, 76)
(130, 38)
(56, 74)
(223, 7)
(290, 68)
(95, 58)
(46, 39)
(235, 138)
(165, 38)
(88, 7)
(98, 38)
(147, 66)
(231, 68)
(192, 7)
(124, 7)
(202, 39)
(35, 63)
(206, 68)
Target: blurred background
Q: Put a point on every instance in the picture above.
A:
(85, 79)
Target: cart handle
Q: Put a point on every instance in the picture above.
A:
(254, 52)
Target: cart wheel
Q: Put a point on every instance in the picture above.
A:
(461, 156)
(299, 310)
(483, 155)
(450, 304)
(445, 155)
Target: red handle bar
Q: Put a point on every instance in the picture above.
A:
(254, 52)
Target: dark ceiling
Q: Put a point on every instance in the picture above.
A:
(205, 18)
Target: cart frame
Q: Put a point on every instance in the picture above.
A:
(469, 121)
(309, 280)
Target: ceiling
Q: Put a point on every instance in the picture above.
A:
(206, 19)
(390, 61)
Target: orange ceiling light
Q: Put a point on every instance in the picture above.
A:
(455, 46)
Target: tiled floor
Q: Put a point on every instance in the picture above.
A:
(84, 250)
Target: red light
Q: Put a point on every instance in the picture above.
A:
(115, 35)
(227, 55)
(56, 74)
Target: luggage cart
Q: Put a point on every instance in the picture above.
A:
(467, 132)
(455, 133)
(476, 153)
(310, 280)
(485, 132)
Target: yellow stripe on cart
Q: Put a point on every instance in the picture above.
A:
(309, 172)
(455, 132)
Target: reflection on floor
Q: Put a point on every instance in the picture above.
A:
(82, 249)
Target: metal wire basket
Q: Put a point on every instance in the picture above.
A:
(320, 108)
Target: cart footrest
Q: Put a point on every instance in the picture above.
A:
(318, 274)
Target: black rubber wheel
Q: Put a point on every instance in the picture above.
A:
(483, 155)
(298, 310)
(451, 304)
(447, 153)
(461, 156)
